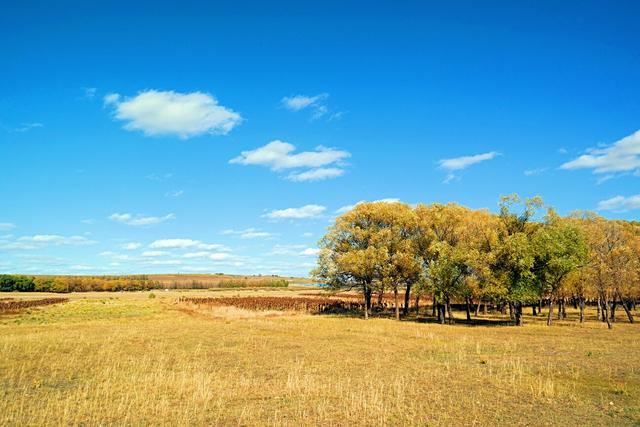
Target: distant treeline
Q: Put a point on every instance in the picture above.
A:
(62, 284)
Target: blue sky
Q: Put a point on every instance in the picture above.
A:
(201, 137)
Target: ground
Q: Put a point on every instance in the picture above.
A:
(128, 359)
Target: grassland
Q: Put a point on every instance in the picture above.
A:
(127, 359)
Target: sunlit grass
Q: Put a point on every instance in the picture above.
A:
(127, 359)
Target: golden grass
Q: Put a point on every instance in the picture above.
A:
(125, 359)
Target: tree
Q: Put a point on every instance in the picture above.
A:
(372, 243)
(559, 248)
(514, 260)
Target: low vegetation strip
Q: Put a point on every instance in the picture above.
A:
(14, 304)
(142, 282)
(307, 304)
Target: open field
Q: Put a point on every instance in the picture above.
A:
(128, 359)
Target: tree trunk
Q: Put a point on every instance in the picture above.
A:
(575, 302)
(581, 304)
(511, 314)
(518, 313)
(605, 312)
(484, 308)
(477, 309)
(550, 313)
(395, 301)
(451, 319)
(407, 295)
(366, 311)
(380, 297)
(564, 308)
(626, 309)
(417, 304)
(434, 307)
(612, 315)
(533, 310)
(441, 315)
(468, 309)
(600, 317)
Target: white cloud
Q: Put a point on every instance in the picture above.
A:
(138, 220)
(89, 92)
(459, 163)
(534, 172)
(310, 252)
(159, 177)
(278, 155)
(200, 254)
(176, 193)
(155, 253)
(300, 102)
(249, 233)
(54, 239)
(7, 226)
(115, 256)
(185, 243)
(285, 250)
(621, 156)
(111, 98)
(88, 221)
(463, 162)
(172, 113)
(307, 211)
(27, 126)
(620, 203)
(80, 267)
(255, 235)
(319, 174)
(131, 246)
(220, 256)
(347, 208)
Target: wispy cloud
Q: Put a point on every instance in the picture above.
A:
(621, 156)
(279, 155)
(89, 92)
(319, 174)
(24, 127)
(185, 243)
(534, 172)
(7, 226)
(140, 220)
(620, 204)
(249, 233)
(310, 252)
(159, 177)
(459, 163)
(150, 254)
(307, 211)
(184, 115)
(37, 240)
(176, 193)
(131, 246)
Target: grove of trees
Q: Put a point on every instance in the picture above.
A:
(524, 256)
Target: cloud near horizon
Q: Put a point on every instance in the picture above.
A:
(185, 115)
(620, 204)
(140, 220)
(304, 212)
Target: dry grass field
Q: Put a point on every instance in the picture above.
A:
(127, 359)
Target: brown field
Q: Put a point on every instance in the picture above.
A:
(128, 359)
